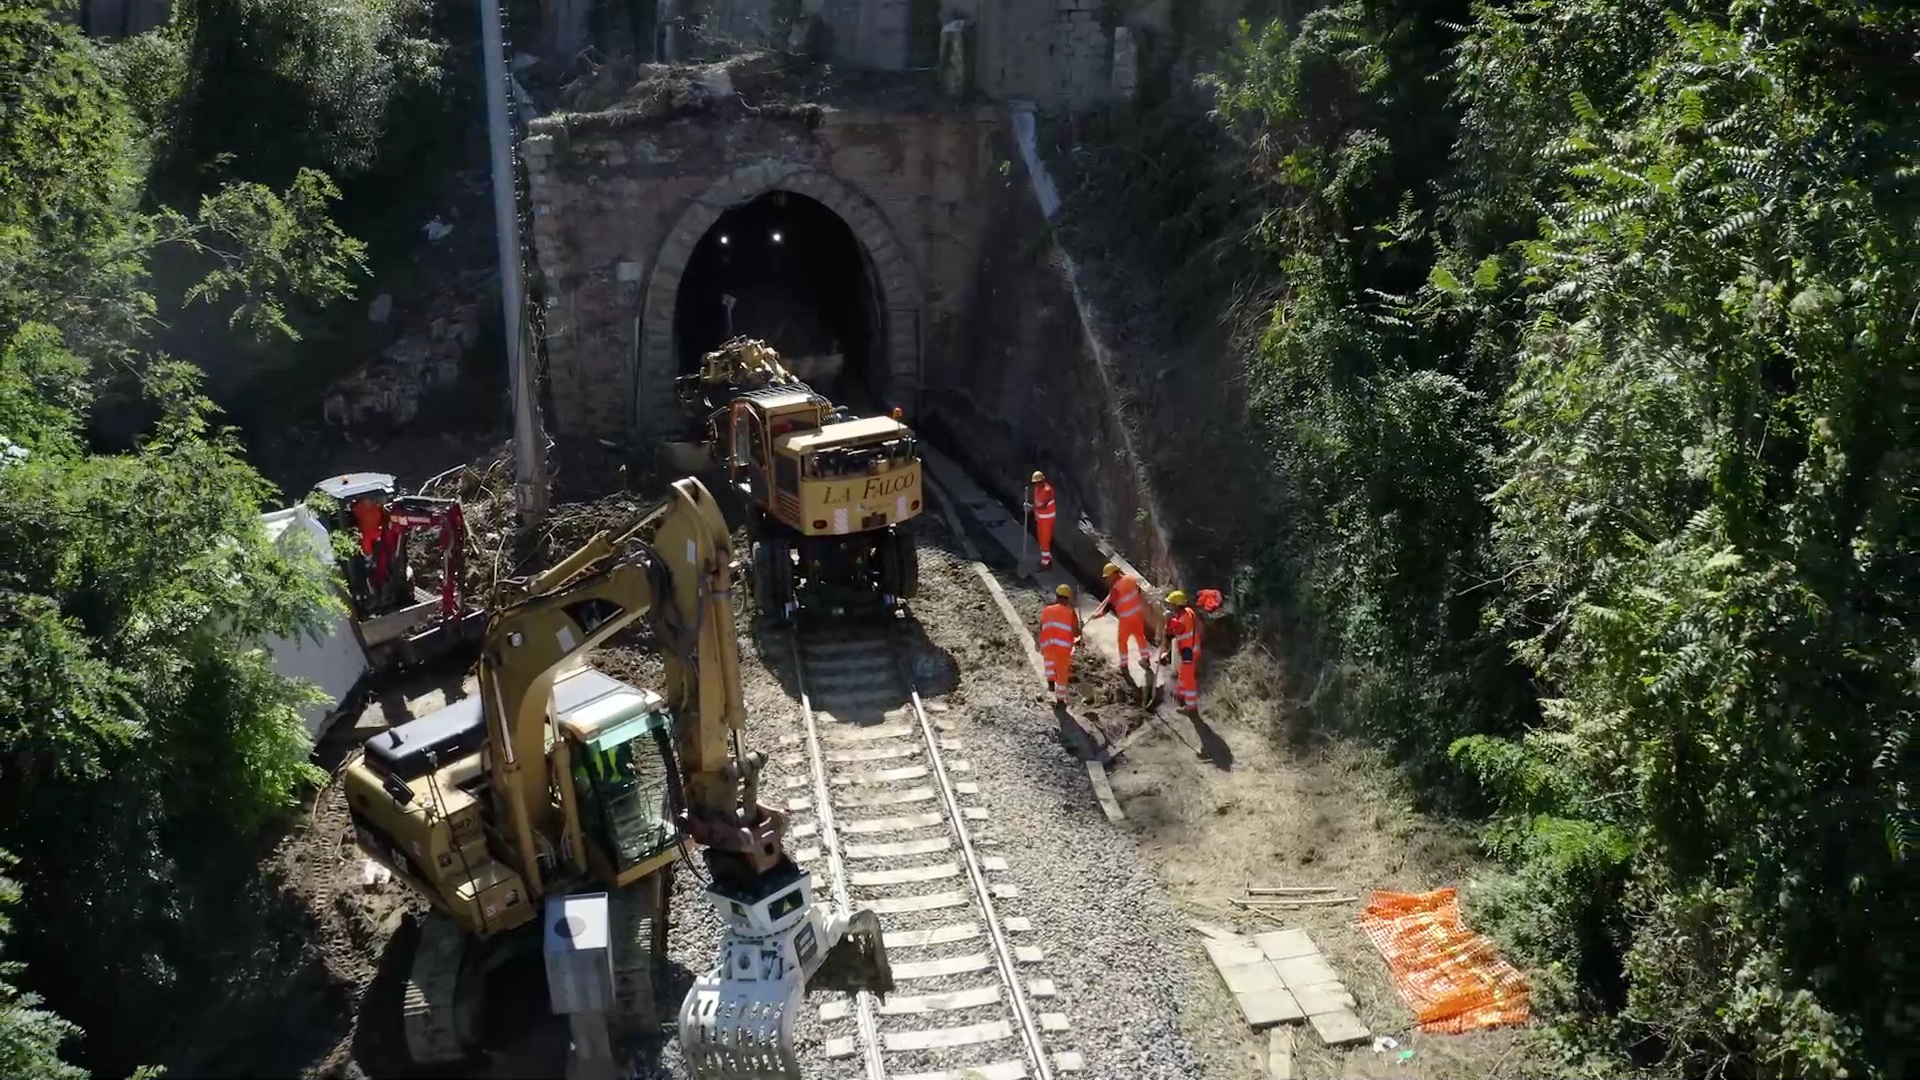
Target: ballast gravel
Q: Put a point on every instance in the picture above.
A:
(1123, 964)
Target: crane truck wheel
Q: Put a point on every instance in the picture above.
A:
(777, 603)
(763, 578)
(909, 562)
(899, 564)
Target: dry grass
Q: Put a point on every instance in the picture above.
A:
(1252, 811)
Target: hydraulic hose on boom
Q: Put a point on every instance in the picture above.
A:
(552, 802)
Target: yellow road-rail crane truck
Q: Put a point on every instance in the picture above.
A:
(547, 811)
(832, 497)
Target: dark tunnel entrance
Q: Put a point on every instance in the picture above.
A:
(799, 280)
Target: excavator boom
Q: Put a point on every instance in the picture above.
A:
(498, 826)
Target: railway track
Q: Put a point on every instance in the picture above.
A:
(886, 818)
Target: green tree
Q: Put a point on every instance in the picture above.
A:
(30, 1037)
(1592, 388)
(144, 741)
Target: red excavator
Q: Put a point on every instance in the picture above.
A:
(398, 623)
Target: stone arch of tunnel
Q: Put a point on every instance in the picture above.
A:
(896, 297)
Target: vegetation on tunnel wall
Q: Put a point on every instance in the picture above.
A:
(1589, 397)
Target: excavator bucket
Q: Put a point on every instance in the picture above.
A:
(858, 961)
(737, 1022)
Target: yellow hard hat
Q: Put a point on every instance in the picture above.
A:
(1038, 476)
(1109, 570)
(1062, 591)
(1177, 598)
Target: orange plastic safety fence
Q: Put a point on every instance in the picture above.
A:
(1452, 978)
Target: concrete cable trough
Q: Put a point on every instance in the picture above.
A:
(888, 820)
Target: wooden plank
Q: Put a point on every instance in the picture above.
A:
(1103, 791)
(1280, 1053)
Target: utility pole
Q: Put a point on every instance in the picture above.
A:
(529, 450)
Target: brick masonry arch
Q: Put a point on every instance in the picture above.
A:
(895, 279)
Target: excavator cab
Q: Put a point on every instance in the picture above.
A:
(622, 783)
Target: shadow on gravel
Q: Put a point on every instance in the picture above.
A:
(851, 694)
(1213, 748)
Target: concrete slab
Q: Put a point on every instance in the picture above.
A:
(1285, 944)
(1268, 1007)
(1226, 954)
(1310, 970)
(1252, 978)
(1339, 1028)
(1322, 998)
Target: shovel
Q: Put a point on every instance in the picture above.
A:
(1021, 569)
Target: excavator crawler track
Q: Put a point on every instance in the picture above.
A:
(430, 1003)
(639, 926)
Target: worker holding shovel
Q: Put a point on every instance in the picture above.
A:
(1124, 600)
(1040, 503)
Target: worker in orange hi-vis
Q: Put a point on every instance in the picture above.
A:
(371, 517)
(1123, 599)
(1040, 501)
(1183, 637)
(1059, 633)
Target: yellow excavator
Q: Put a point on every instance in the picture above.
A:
(549, 809)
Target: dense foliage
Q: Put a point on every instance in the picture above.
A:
(142, 743)
(1591, 394)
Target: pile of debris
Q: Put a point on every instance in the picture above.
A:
(497, 551)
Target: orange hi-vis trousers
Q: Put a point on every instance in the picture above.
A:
(1058, 663)
(1059, 625)
(1044, 511)
(1187, 687)
(1135, 630)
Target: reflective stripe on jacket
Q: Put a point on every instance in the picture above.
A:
(1125, 597)
(1058, 625)
(1043, 501)
(1183, 629)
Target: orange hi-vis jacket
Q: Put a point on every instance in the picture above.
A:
(1059, 625)
(372, 519)
(1043, 504)
(1183, 635)
(1124, 600)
